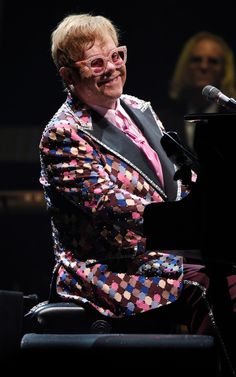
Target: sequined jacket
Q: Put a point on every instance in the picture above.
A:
(97, 183)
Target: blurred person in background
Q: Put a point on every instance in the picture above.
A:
(205, 59)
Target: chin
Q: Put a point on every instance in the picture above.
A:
(114, 93)
(203, 83)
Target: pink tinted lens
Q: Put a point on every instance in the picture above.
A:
(117, 57)
(97, 63)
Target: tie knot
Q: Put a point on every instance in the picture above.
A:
(122, 120)
(119, 113)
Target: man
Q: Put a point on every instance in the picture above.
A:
(102, 163)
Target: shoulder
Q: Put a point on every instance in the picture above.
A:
(142, 105)
(62, 125)
(135, 102)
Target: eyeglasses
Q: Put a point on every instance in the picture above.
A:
(211, 60)
(98, 63)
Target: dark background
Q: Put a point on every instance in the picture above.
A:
(154, 33)
(31, 92)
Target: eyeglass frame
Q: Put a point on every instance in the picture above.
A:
(106, 59)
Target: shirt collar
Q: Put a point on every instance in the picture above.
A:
(111, 114)
(104, 110)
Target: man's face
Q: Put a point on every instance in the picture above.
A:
(103, 88)
(206, 65)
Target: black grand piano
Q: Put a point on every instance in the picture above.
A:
(203, 221)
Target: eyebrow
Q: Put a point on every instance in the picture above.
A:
(101, 54)
(215, 58)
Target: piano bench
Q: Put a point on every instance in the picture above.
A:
(66, 331)
(153, 352)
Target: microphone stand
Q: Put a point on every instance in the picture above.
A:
(181, 156)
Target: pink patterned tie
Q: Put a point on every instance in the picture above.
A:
(133, 132)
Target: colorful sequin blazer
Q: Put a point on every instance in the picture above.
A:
(97, 183)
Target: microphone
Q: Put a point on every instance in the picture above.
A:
(215, 95)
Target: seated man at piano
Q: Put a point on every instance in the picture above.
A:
(102, 163)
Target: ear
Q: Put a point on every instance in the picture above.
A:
(66, 75)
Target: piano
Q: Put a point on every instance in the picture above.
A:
(202, 223)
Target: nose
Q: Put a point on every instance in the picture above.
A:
(109, 65)
(204, 63)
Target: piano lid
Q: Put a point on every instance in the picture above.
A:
(210, 117)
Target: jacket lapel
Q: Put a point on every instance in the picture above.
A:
(144, 120)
